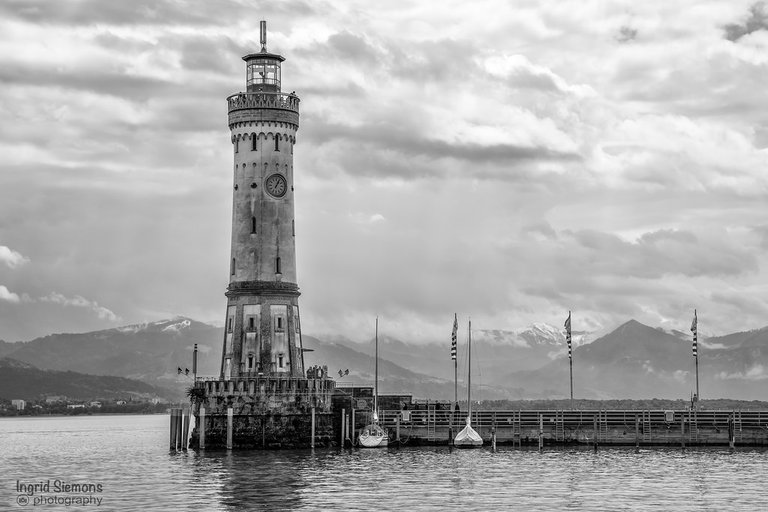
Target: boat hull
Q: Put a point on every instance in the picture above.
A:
(373, 436)
(468, 438)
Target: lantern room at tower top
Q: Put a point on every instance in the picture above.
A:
(263, 68)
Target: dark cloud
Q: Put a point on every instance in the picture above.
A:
(757, 20)
(661, 253)
(386, 138)
(112, 83)
(626, 34)
(352, 48)
(152, 12)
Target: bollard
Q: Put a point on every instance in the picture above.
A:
(312, 439)
(229, 428)
(201, 428)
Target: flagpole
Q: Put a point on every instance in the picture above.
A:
(695, 330)
(570, 357)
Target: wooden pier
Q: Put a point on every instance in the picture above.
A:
(432, 426)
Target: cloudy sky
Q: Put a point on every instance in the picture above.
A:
(504, 160)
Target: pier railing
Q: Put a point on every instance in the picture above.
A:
(612, 426)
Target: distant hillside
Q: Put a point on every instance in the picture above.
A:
(638, 361)
(495, 353)
(149, 352)
(22, 380)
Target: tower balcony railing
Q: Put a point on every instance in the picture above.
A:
(274, 100)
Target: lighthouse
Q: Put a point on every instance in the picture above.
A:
(263, 396)
(262, 328)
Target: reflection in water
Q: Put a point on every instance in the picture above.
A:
(129, 456)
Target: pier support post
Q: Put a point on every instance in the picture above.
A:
(185, 431)
(682, 430)
(173, 428)
(353, 428)
(201, 428)
(397, 428)
(731, 434)
(594, 432)
(343, 427)
(312, 439)
(230, 413)
(493, 438)
(541, 432)
(637, 433)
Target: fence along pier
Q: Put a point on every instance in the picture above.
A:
(430, 426)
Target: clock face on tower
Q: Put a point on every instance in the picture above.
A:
(276, 185)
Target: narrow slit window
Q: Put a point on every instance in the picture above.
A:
(232, 270)
(293, 227)
(277, 142)
(229, 325)
(280, 361)
(253, 225)
(278, 270)
(237, 145)
(250, 323)
(254, 142)
(250, 362)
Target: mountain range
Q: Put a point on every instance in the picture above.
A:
(22, 380)
(633, 361)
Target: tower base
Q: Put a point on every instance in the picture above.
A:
(262, 413)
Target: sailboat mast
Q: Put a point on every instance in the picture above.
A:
(469, 368)
(376, 372)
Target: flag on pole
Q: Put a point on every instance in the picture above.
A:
(453, 336)
(695, 331)
(568, 335)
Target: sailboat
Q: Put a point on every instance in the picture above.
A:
(373, 435)
(468, 438)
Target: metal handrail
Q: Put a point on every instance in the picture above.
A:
(251, 100)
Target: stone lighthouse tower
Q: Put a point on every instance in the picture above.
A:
(263, 332)
(263, 396)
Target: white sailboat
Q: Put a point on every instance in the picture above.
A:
(374, 435)
(467, 437)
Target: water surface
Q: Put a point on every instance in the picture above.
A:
(128, 456)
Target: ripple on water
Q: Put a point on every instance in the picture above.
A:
(127, 455)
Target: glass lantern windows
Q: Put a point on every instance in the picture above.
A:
(263, 75)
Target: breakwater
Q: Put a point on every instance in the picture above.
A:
(432, 426)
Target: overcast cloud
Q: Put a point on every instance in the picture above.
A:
(505, 160)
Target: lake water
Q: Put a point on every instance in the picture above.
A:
(128, 457)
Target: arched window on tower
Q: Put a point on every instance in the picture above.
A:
(277, 142)
(237, 144)
(278, 270)
(254, 141)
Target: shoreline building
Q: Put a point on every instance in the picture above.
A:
(264, 395)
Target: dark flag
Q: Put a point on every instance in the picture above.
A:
(186, 371)
(568, 335)
(179, 370)
(694, 330)
(453, 336)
